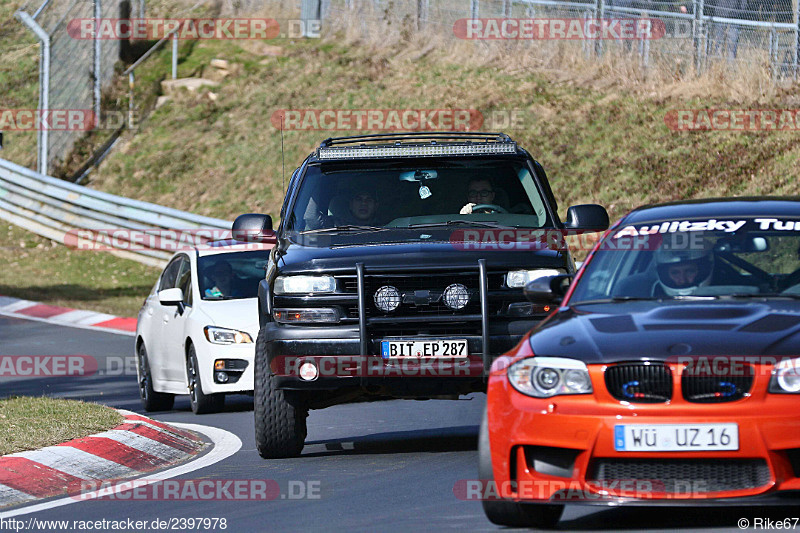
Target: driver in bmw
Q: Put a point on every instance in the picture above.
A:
(479, 191)
(682, 269)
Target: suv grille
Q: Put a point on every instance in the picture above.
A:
(421, 293)
(684, 476)
(644, 382)
(731, 383)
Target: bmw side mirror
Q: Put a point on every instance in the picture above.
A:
(548, 289)
(253, 227)
(588, 217)
(173, 296)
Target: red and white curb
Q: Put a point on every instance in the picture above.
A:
(65, 316)
(137, 446)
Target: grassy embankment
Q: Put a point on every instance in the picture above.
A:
(31, 423)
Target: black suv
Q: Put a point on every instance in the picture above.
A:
(399, 271)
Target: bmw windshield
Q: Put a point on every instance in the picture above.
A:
(695, 259)
(379, 203)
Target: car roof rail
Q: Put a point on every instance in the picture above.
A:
(433, 137)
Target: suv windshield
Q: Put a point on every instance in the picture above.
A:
(701, 258)
(231, 276)
(340, 198)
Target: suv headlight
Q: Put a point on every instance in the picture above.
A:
(519, 278)
(304, 284)
(543, 377)
(786, 377)
(217, 335)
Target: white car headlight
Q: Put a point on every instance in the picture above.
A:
(304, 284)
(786, 377)
(217, 335)
(519, 278)
(543, 377)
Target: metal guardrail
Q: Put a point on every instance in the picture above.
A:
(56, 209)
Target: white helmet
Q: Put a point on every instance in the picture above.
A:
(683, 264)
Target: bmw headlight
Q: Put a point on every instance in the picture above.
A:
(217, 335)
(786, 377)
(304, 284)
(519, 278)
(543, 377)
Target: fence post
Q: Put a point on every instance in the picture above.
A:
(600, 10)
(422, 13)
(587, 16)
(507, 5)
(699, 28)
(310, 10)
(645, 45)
(98, 76)
(131, 105)
(773, 52)
(44, 88)
(175, 55)
(796, 36)
(474, 9)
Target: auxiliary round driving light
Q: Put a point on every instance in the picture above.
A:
(456, 296)
(387, 298)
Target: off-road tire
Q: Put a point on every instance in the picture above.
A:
(280, 416)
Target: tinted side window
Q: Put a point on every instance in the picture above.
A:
(185, 281)
(170, 274)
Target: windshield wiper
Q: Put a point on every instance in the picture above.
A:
(458, 222)
(346, 228)
(615, 299)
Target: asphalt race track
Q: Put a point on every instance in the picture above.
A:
(382, 466)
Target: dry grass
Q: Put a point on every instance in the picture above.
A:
(668, 76)
(38, 269)
(28, 423)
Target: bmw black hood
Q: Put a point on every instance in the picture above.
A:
(653, 330)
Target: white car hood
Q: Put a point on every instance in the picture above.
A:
(234, 314)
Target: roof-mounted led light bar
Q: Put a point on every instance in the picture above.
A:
(412, 150)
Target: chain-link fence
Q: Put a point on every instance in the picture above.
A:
(688, 36)
(73, 72)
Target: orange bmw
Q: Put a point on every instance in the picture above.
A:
(669, 374)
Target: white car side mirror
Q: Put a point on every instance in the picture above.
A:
(172, 296)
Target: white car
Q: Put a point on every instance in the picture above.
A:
(196, 331)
